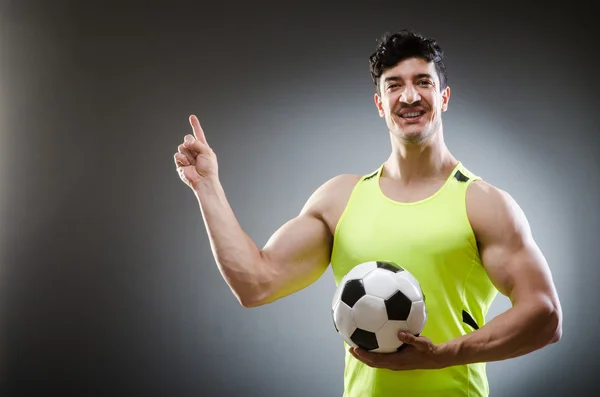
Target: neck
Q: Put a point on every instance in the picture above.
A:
(419, 160)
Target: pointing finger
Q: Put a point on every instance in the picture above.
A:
(198, 131)
(195, 145)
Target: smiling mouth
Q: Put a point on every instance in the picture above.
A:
(412, 116)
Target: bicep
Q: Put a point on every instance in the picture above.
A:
(510, 256)
(296, 255)
(299, 252)
(519, 271)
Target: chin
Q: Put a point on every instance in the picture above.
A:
(417, 135)
(412, 136)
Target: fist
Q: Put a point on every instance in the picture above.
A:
(195, 160)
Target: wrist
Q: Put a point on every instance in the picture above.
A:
(207, 184)
(447, 354)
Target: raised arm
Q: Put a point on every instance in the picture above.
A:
(519, 270)
(293, 258)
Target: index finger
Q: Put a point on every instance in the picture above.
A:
(198, 132)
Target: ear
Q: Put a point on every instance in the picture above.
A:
(445, 98)
(379, 105)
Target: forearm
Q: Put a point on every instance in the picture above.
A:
(237, 256)
(520, 330)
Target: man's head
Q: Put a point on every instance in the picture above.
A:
(410, 78)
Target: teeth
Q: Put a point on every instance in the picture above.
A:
(411, 114)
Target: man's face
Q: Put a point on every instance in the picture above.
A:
(410, 100)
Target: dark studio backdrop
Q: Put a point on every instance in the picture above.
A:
(108, 286)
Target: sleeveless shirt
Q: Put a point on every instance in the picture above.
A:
(432, 239)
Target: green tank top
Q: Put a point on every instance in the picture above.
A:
(433, 240)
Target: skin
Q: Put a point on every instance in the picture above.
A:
(299, 252)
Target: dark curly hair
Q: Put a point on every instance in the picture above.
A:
(393, 48)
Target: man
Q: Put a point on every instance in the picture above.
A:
(462, 238)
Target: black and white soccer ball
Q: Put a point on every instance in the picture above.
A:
(376, 300)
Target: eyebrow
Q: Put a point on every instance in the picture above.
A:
(419, 76)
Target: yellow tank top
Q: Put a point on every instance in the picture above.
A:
(433, 240)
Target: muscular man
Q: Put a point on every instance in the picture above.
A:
(462, 238)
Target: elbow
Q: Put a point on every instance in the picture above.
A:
(249, 303)
(246, 301)
(553, 324)
(253, 300)
(246, 304)
(250, 291)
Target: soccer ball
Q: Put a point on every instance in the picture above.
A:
(376, 300)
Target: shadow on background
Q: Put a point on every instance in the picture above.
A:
(108, 284)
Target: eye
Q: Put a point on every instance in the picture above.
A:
(425, 82)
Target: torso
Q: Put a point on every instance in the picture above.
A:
(434, 242)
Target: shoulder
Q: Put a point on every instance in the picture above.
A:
(343, 182)
(494, 213)
(332, 191)
(329, 200)
(481, 190)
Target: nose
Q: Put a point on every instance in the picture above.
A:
(410, 94)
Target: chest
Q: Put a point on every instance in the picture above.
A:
(412, 193)
(425, 231)
(374, 216)
(431, 237)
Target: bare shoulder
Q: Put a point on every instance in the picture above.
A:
(330, 199)
(494, 213)
(484, 193)
(331, 192)
(340, 185)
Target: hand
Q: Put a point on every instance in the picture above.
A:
(419, 353)
(195, 159)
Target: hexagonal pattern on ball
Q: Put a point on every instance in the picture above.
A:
(343, 319)
(380, 283)
(389, 266)
(364, 339)
(361, 270)
(398, 306)
(370, 313)
(352, 291)
(409, 285)
(387, 336)
(356, 273)
(417, 318)
(410, 276)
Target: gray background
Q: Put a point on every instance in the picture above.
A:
(108, 286)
